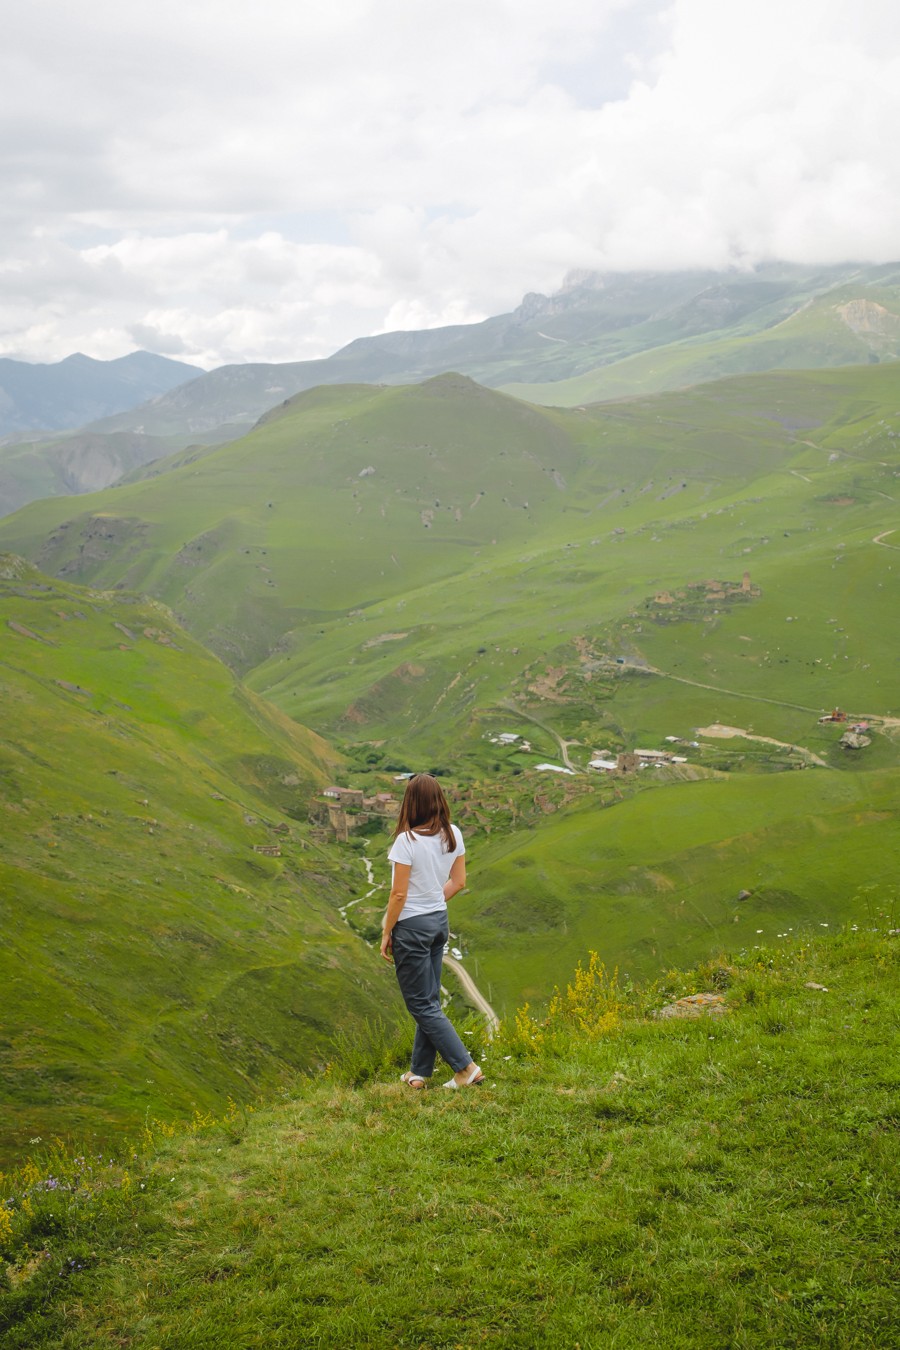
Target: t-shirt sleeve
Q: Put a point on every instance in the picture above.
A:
(401, 850)
(460, 844)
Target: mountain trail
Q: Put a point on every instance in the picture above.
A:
(474, 993)
(373, 887)
(717, 689)
(718, 731)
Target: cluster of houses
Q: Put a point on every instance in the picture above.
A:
(510, 738)
(629, 761)
(626, 762)
(341, 811)
(704, 591)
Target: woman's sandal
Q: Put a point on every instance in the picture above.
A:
(474, 1078)
(413, 1080)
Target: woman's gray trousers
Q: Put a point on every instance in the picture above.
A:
(418, 947)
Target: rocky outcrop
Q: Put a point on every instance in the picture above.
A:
(694, 1005)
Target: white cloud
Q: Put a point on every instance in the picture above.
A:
(233, 182)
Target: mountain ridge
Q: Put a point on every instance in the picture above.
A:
(597, 319)
(599, 337)
(46, 397)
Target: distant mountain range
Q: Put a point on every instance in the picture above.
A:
(688, 327)
(599, 337)
(79, 389)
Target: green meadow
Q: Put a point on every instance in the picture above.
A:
(652, 882)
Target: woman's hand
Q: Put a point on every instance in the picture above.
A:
(396, 901)
(457, 878)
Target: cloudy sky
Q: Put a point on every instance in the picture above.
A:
(230, 180)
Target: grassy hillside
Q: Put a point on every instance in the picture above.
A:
(559, 574)
(619, 1180)
(653, 881)
(152, 958)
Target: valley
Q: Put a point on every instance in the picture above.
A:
(440, 576)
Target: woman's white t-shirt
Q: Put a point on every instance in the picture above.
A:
(427, 857)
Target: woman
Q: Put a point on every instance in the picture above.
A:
(429, 868)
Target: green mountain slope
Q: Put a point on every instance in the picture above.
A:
(653, 882)
(414, 571)
(152, 958)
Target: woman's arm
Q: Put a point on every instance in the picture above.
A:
(457, 879)
(399, 887)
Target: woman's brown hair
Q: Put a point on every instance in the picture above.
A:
(424, 808)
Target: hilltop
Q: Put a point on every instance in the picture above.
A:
(172, 935)
(620, 1179)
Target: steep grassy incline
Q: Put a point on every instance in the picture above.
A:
(618, 1181)
(358, 598)
(151, 957)
(287, 527)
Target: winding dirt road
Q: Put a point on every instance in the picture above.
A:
(530, 717)
(721, 732)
